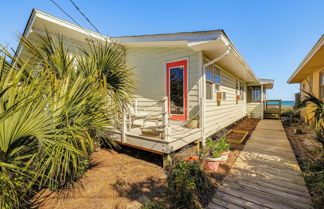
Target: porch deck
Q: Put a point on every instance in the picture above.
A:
(180, 136)
(265, 175)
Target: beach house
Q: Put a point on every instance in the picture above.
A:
(189, 85)
(310, 76)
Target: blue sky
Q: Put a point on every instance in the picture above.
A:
(273, 36)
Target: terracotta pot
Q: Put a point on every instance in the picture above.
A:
(224, 157)
(192, 159)
(212, 164)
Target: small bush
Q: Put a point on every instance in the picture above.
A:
(314, 177)
(153, 205)
(188, 186)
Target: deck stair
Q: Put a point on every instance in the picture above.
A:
(265, 175)
(272, 109)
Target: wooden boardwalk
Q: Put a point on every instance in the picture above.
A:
(265, 175)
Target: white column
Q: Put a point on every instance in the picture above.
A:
(202, 95)
(262, 101)
(124, 126)
(165, 119)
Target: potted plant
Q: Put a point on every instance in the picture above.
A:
(211, 154)
(225, 147)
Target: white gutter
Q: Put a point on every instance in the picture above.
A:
(217, 58)
(203, 92)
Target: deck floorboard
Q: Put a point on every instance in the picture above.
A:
(265, 175)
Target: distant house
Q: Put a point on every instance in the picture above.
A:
(310, 75)
(181, 77)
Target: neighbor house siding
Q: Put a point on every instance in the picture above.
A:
(149, 66)
(310, 84)
(229, 111)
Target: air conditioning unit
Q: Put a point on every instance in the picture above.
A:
(220, 95)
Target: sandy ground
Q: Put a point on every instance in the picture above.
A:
(126, 179)
(117, 181)
(304, 145)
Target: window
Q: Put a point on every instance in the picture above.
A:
(209, 71)
(242, 89)
(213, 81)
(254, 94)
(217, 76)
(237, 86)
(311, 83)
(322, 84)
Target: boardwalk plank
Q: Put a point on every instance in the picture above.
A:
(272, 192)
(238, 201)
(265, 175)
(225, 204)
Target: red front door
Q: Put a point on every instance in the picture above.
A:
(176, 84)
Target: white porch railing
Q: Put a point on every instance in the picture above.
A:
(163, 116)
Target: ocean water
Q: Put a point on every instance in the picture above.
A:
(287, 103)
(284, 103)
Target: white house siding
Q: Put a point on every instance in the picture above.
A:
(218, 117)
(149, 66)
(254, 109)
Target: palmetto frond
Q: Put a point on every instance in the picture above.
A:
(52, 111)
(105, 61)
(318, 113)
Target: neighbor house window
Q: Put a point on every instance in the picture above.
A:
(311, 83)
(213, 81)
(254, 94)
(322, 84)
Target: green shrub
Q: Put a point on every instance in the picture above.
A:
(314, 177)
(214, 148)
(188, 186)
(154, 205)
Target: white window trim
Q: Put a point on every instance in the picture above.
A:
(213, 97)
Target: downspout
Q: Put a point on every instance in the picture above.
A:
(217, 58)
(203, 95)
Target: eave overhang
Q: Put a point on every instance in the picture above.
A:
(312, 62)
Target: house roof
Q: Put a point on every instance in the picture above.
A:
(212, 43)
(312, 62)
(268, 83)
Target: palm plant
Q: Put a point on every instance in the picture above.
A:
(318, 113)
(51, 115)
(26, 126)
(105, 61)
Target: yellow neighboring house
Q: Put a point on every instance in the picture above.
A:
(310, 75)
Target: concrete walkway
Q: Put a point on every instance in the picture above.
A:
(265, 175)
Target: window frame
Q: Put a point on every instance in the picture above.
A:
(213, 82)
(242, 90)
(249, 92)
(321, 84)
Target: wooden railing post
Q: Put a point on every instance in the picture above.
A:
(165, 119)
(124, 126)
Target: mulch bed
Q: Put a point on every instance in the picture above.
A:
(307, 149)
(246, 124)
(235, 136)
